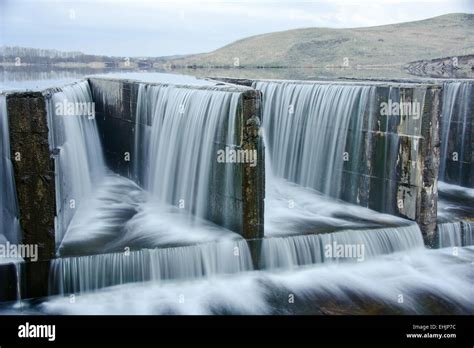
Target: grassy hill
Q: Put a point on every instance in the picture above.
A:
(395, 44)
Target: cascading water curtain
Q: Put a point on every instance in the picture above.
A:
(306, 127)
(9, 213)
(187, 128)
(78, 153)
(88, 273)
(287, 252)
(454, 128)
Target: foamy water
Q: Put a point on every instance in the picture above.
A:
(416, 276)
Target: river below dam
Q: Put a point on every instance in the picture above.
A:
(416, 282)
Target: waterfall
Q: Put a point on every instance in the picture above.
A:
(145, 104)
(457, 233)
(454, 127)
(10, 230)
(178, 131)
(433, 277)
(74, 140)
(9, 213)
(306, 126)
(88, 273)
(356, 245)
(187, 128)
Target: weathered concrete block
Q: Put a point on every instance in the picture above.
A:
(34, 170)
(253, 190)
(115, 107)
(400, 155)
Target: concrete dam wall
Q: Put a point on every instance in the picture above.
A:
(33, 169)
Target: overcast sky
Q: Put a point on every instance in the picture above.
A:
(158, 28)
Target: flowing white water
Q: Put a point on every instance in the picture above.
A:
(468, 238)
(431, 281)
(176, 149)
(456, 190)
(178, 132)
(354, 245)
(166, 146)
(88, 273)
(458, 233)
(79, 163)
(456, 203)
(188, 127)
(177, 129)
(9, 222)
(306, 127)
(450, 234)
(454, 126)
(10, 229)
(293, 209)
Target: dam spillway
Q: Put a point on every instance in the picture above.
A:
(78, 158)
(144, 169)
(369, 143)
(127, 109)
(456, 158)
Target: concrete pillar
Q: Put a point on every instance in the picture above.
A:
(34, 170)
(35, 185)
(430, 157)
(253, 183)
(253, 186)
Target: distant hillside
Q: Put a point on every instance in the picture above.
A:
(29, 55)
(10, 55)
(395, 44)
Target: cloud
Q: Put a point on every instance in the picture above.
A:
(166, 27)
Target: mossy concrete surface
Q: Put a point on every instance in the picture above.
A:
(34, 170)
